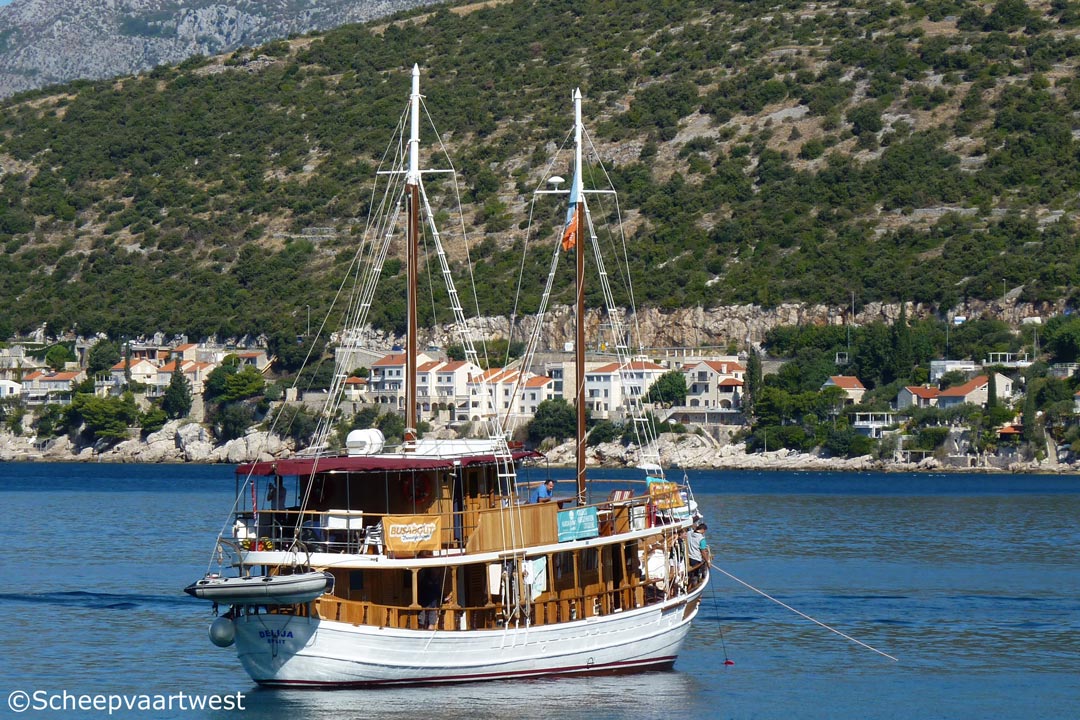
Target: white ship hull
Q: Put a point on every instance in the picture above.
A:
(281, 650)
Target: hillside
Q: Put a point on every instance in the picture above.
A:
(766, 152)
(44, 42)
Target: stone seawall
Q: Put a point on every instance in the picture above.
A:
(190, 442)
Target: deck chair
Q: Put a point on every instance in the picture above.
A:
(373, 537)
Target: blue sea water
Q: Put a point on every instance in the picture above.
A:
(971, 581)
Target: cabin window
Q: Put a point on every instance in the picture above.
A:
(356, 580)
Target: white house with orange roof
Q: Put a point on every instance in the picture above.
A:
(355, 389)
(917, 396)
(257, 359)
(714, 384)
(141, 370)
(387, 382)
(505, 392)
(975, 391)
(537, 389)
(42, 387)
(851, 385)
(452, 385)
(610, 387)
(425, 384)
(490, 392)
(195, 372)
(188, 352)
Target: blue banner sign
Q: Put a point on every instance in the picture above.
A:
(578, 524)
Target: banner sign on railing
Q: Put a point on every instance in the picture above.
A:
(578, 524)
(412, 533)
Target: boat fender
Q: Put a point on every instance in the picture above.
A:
(222, 632)
(265, 544)
(416, 488)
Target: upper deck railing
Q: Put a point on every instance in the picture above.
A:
(615, 507)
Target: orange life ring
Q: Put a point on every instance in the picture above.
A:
(417, 488)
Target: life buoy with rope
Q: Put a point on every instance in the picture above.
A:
(416, 488)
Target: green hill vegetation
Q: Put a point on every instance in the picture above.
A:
(765, 152)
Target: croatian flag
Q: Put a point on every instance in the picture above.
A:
(570, 232)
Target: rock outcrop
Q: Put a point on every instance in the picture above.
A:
(716, 327)
(177, 441)
(183, 441)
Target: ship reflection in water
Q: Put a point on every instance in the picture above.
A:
(641, 695)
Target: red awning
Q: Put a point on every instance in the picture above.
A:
(367, 463)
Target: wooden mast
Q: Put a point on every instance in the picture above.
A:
(579, 274)
(412, 251)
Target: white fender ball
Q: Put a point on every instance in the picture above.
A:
(222, 632)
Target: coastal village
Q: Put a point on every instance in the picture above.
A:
(706, 425)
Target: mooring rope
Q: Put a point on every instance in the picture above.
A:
(801, 614)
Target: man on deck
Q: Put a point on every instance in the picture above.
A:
(543, 493)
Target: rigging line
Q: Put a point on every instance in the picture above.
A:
(719, 625)
(544, 177)
(800, 614)
(358, 273)
(464, 235)
(625, 276)
(231, 514)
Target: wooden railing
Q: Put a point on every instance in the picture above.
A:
(490, 617)
(470, 531)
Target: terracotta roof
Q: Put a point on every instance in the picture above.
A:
(60, 377)
(966, 389)
(926, 393)
(538, 381)
(356, 381)
(452, 365)
(722, 367)
(612, 368)
(1009, 430)
(730, 382)
(428, 366)
(135, 362)
(848, 382)
(392, 359)
(186, 346)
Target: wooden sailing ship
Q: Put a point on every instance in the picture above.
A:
(442, 570)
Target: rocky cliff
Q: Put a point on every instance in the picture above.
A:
(177, 441)
(718, 327)
(43, 42)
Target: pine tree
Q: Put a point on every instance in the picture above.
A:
(177, 399)
(753, 382)
(903, 355)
